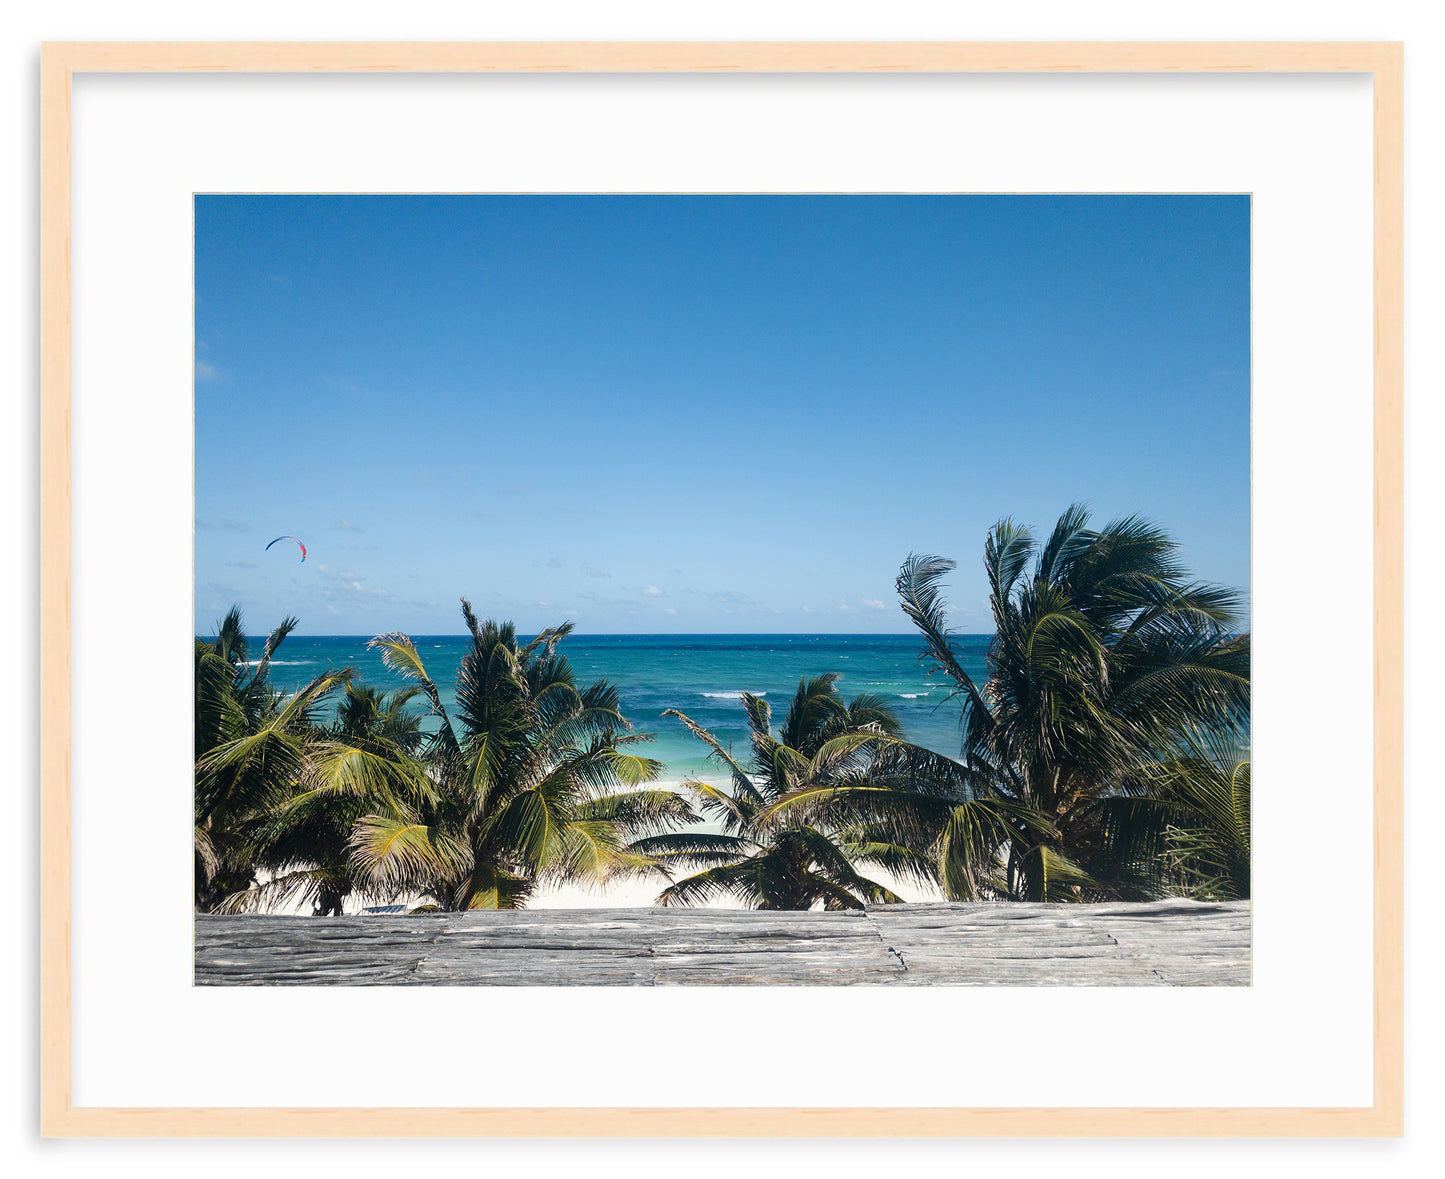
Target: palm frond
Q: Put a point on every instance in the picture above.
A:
(400, 856)
(299, 887)
(639, 812)
(718, 752)
(736, 880)
(399, 654)
(923, 602)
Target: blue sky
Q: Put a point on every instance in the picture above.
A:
(700, 414)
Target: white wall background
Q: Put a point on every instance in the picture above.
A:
(1222, 19)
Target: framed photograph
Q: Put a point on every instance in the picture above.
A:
(600, 534)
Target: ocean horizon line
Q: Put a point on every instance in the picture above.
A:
(643, 634)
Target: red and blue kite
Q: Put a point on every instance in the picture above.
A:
(299, 545)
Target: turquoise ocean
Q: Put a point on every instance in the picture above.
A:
(702, 676)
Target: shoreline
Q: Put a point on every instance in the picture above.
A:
(622, 894)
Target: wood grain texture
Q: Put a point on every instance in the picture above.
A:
(1167, 943)
(741, 57)
(1389, 588)
(54, 586)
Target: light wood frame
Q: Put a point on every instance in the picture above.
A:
(61, 61)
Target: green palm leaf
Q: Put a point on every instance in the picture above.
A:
(405, 857)
(1107, 661)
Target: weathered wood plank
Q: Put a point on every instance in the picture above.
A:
(1169, 943)
(537, 967)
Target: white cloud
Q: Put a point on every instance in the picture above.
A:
(346, 525)
(227, 525)
(206, 371)
(652, 591)
(349, 587)
(669, 610)
(844, 608)
(873, 603)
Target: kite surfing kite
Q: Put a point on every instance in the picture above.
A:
(298, 544)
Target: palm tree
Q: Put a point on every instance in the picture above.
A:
(365, 763)
(779, 847)
(252, 744)
(1185, 828)
(1106, 663)
(534, 780)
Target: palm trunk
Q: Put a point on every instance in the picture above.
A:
(328, 902)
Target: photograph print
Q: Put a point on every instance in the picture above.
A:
(664, 590)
